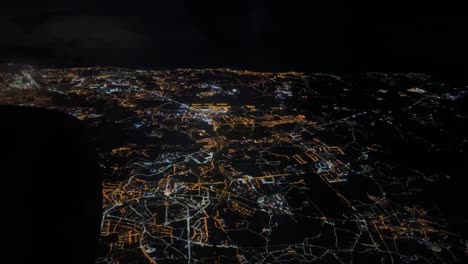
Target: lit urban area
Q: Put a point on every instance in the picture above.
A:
(232, 166)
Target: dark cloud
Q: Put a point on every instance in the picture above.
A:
(172, 33)
(264, 35)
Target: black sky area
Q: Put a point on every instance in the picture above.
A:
(314, 36)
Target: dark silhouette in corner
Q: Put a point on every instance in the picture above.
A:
(51, 188)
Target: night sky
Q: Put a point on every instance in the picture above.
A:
(336, 36)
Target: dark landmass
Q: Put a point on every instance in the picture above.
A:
(52, 201)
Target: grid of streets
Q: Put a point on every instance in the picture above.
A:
(226, 166)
